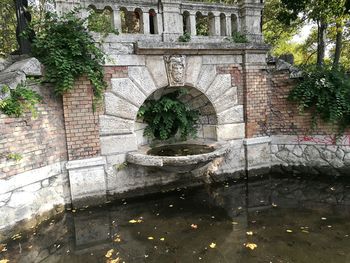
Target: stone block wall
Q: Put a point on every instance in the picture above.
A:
(40, 142)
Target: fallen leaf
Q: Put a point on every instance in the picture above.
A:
(109, 253)
(234, 223)
(17, 236)
(194, 226)
(250, 233)
(212, 245)
(117, 260)
(162, 239)
(133, 221)
(252, 246)
(150, 238)
(305, 231)
(117, 239)
(289, 231)
(4, 260)
(274, 205)
(3, 248)
(323, 218)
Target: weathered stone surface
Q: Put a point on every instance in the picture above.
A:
(117, 160)
(29, 66)
(232, 115)
(110, 125)
(12, 79)
(111, 145)
(226, 100)
(125, 60)
(219, 59)
(143, 79)
(219, 86)
(194, 65)
(230, 131)
(119, 107)
(156, 67)
(125, 88)
(86, 184)
(206, 77)
(209, 132)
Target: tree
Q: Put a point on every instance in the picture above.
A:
(8, 42)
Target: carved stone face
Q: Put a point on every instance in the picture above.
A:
(177, 71)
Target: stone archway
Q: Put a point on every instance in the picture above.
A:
(122, 101)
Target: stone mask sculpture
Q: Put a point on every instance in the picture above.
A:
(176, 67)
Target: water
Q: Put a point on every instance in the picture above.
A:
(290, 220)
(180, 150)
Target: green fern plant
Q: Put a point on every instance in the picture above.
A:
(167, 116)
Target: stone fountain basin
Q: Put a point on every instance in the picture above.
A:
(178, 164)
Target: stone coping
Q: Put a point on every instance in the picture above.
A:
(91, 162)
(311, 140)
(30, 177)
(152, 48)
(255, 141)
(141, 158)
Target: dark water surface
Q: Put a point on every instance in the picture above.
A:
(180, 150)
(284, 220)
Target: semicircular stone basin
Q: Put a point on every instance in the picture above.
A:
(179, 157)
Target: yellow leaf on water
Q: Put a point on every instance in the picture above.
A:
(305, 231)
(109, 253)
(250, 233)
(212, 245)
(117, 260)
(150, 238)
(3, 248)
(194, 226)
(251, 246)
(4, 260)
(289, 231)
(234, 223)
(162, 239)
(133, 221)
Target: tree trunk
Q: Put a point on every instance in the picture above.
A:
(321, 47)
(338, 45)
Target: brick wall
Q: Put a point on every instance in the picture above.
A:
(236, 78)
(285, 118)
(81, 122)
(40, 141)
(256, 102)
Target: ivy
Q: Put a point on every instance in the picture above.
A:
(20, 100)
(238, 37)
(64, 45)
(101, 21)
(186, 37)
(168, 115)
(326, 93)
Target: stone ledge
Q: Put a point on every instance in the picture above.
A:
(163, 48)
(30, 177)
(91, 162)
(255, 141)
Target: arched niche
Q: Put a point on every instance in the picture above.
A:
(153, 22)
(195, 99)
(131, 21)
(186, 22)
(234, 24)
(223, 25)
(100, 20)
(202, 24)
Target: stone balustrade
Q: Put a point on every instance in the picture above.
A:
(173, 18)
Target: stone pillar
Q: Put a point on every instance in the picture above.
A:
(251, 19)
(193, 30)
(228, 25)
(216, 25)
(172, 20)
(117, 22)
(146, 29)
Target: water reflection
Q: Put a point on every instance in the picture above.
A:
(289, 219)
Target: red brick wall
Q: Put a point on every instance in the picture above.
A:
(39, 141)
(81, 122)
(256, 102)
(285, 118)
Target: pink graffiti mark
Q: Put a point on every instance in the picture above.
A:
(327, 139)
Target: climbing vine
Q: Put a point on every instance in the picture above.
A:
(19, 100)
(326, 93)
(168, 115)
(68, 51)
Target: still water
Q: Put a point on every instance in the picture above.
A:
(279, 220)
